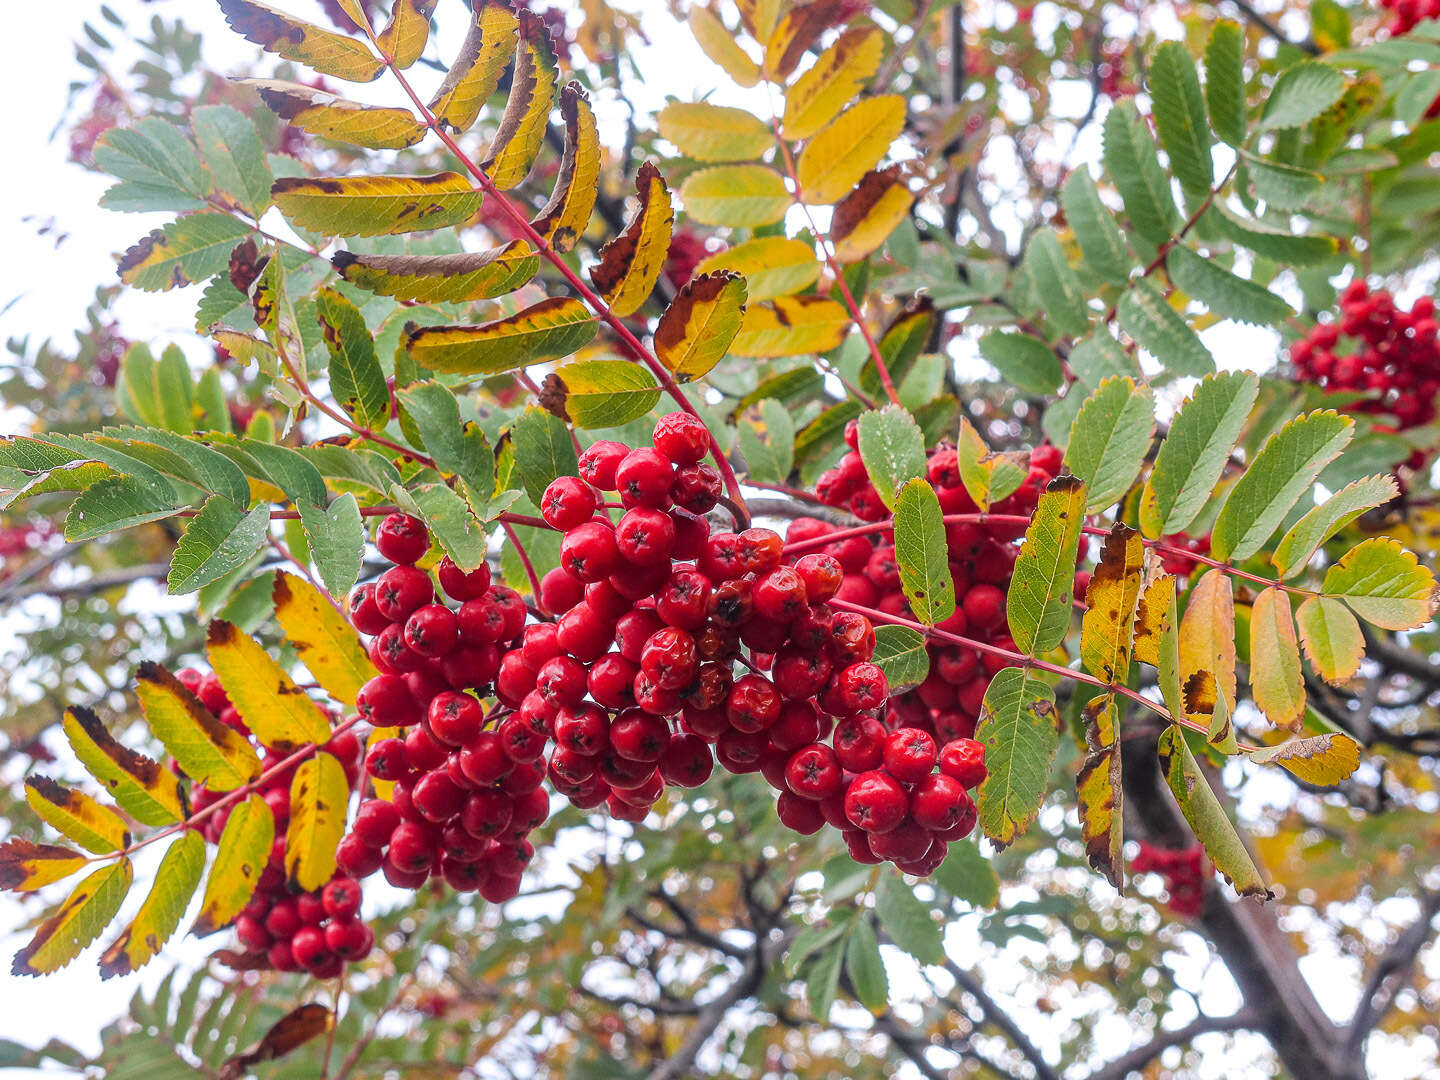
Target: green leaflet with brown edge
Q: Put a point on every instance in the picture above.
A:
(1276, 681)
(1018, 727)
(547, 330)
(209, 751)
(77, 922)
(76, 815)
(565, 217)
(176, 879)
(1207, 818)
(532, 90)
(696, 330)
(473, 77)
(295, 39)
(375, 205)
(630, 264)
(330, 117)
(143, 788)
(437, 279)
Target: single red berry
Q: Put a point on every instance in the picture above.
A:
(780, 595)
(364, 615)
(862, 686)
(813, 772)
(753, 704)
(374, 822)
(984, 606)
(423, 751)
(669, 658)
(431, 631)
(851, 636)
(412, 846)
(687, 760)
(484, 759)
(902, 844)
(644, 478)
(645, 536)
(859, 743)
(799, 814)
(637, 736)
(876, 802)
(822, 575)
(562, 680)
(402, 539)
(341, 898)
(568, 501)
(559, 592)
(284, 919)
(600, 461)
(761, 550)
(349, 939)
(308, 946)
(588, 552)
(909, 755)
(385, 701)
(964, 759)
(584, 634)
(402, 589)
(460, 584)
(486, 814)
(696, 488)
(455, 718)
(936, 802)
(682, 437)
(357, 859)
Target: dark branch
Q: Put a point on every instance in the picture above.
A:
(1140, 1056)
(1002, 1020)
(1256, 18)
(1391, 972)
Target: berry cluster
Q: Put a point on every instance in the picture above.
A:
(1184, 871)
(1406, 14)
(982, 560)
(316, 931)
(466, 792)
(1377, 348)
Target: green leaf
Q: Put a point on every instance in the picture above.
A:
(1303, 91)
(357, 381)
(450, 522)
(1384, 584)
(708, 132)
(901, 653)
(1098, 357)
(1160, 330)
(337, 541)
(1325, 520)
(219, 539)
(738, 195)
(543, 451)
(1026, 362)
(1206, 816)
(808, 942)
(1179, 110)
(988, 476)
(823, 980)
(375, 205)
(287, 469)
(1110, 439)
(921, 553)
(176, 879)
(968, 876)
(144, 789)
(1224, 293)
(157, 392)
(1284, 469)
(184, 252)
(1052, 278)
(115, 503)
(907, 922)
(1193, 455)
(607, 393)
(865, 966)
(767, 442)
(1332, 638)
(1018, 727)
(1279, 244)
(1284, 187)
(1038, 605)
(892, 448)
(157, 168)
(1225, 82)
(1100, 239)
(1134, 168)
(77, 922)
(546, 330)
(457, 448)
(234, 155)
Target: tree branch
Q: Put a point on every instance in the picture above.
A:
(1391, 973)
(1002, 1020)
(1256, 18)
(1140, 1056)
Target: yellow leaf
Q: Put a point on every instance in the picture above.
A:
(1107, 629)
(210, 752)
(437, 279)
(773, 265)
(786, 45)
(566, 216)
(332, 117)
(76, 815)
(1207, 631)
(240, 859)
(1276, 681)
(77, 922)
(790, 326)
(740, 195)
(403, 40)
(708, 132)
(547, 330)
(697, 328)
(328, 645)
(718, 43)
(759, 16)
(630, 264)
(1322, 760)
(848, 147)
(318, 795)
(832, 81)
(26, 866)
(473, 77)
(175, 881)
(280, 714)
(532, 90)
(143, 788)
(375, 205)
(865, 218)
(1100, 792)
(1150, 612)
(988, 476)
(1331, 637)
(295, 39)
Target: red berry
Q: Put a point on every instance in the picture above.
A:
(374, 822)
(780, 595)
(559, 592)
(802, 815)
(753, 704)
(696, 488)
(385, 701)
(822, 575)
(937, 800)
(862, 686)
(402, 539)
(813, 772)
(460, 584)
(364, 614)
(349, 939)
(308, 947)
(589, 553)
(400, 590)
(687, 760)
(644, 477)
(964, 759)
(859, 743)
(600, 461)
(909, 755)
(876, 802)
(682, 437)
(431, 631)
(984, 606)
(454, 718)
(341, 898)
(645, 536)
(669, 658)
(568, 501)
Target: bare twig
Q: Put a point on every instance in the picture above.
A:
(1140, 1056)
(1391, 972)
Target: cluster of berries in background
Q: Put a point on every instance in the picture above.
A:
(281, 930)
(466, 785)
(1377, 349)
(1185, 873)
(1406, 14)
(982, 561)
